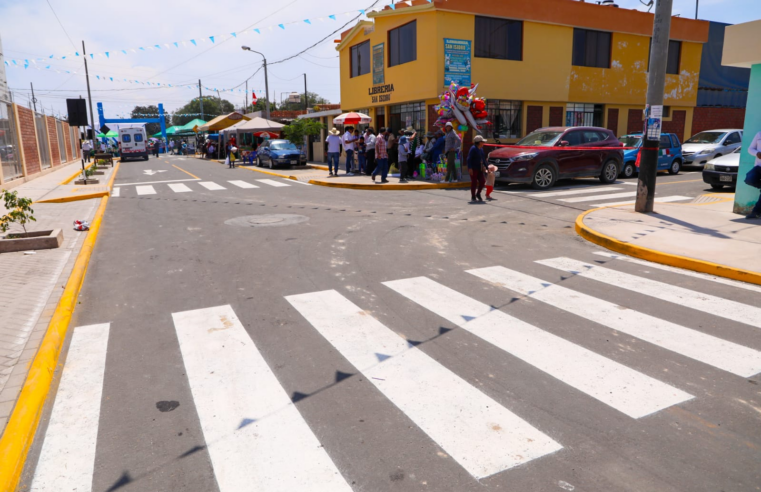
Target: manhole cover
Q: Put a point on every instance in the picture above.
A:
(269, 220)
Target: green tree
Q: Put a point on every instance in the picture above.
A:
(300, 128)
(313, 99)
(19, 210)
(148, 112)
(211, 109)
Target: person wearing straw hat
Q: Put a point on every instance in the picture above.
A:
(348, 143)
(476, 167)
(333, 146)
(451, 147)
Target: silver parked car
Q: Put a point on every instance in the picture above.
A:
(710, 144)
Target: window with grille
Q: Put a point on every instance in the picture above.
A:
(404, 115)
(504, 118)
(578, 114)
(591, 48)
(498, 38)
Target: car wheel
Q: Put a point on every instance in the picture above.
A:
(629, 170)
(271, 163)
(145, 158)
(258, 162)
(544, 177)
(609, 172)
(717, 187)
(676, 166)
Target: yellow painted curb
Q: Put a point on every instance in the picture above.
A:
(113, 177)
(319, 166)
(22, 425)
(75, 175)
(271, 173)
(390, 187)
(661, 257)
(76, 198)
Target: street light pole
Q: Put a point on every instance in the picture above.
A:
(306, 99)
(266, 81)
(89, 98)
(656, 82)
(200, 97)
(697, 4)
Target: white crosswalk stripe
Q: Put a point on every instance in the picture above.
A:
(583, 191)
(593, 193)
(212, 186)
(67, 458)
(272, 182)
(145, 190)
(242, 184)
(179, 187)
(256, 437)
(116, 191)
(699, 301)
(705, 348)
(614, 384)
(665, 199)
(689, 273)
(457, 416)
(592, 198)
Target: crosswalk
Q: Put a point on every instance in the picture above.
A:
(194, 185)
(594, 196)
(258, 439)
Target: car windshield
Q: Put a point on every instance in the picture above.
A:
(631, 140)
(283, 146)
(706, 138)
(540, 139)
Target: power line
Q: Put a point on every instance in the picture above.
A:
(60, 24)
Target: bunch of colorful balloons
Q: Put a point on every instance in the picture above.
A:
(460, 106)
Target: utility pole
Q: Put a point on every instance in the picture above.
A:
(656, 82)
(89, 97)
(306, 99)
(245, 100)
(697, 4)
(200, 97)
(34, 99)
(266, 82)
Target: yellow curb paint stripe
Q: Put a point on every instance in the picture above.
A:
(678, 182)
(76, 198)
(390, 187)
(186, 172)
(113, 176)
(319, 166)
(271, 173)
(661, 257)
(75, 175)
(20, 430)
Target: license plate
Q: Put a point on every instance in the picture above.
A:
(725, 178)
(496, 174)
(294, 163)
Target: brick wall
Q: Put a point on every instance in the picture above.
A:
(613, 120)
(556, 116)
(717, 118)
(55, 154)
(533, 118)
(29, 140)
(67, 142)
(676, 125)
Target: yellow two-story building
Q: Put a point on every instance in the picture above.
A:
(539, 63)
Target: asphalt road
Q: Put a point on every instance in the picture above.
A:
(284, 338)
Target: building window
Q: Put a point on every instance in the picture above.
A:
(403, 115)
(61, 146)
(498, 38)
(504, 118)
(360, 59)
(591, 48)
(402, 44)
(673, 59)
(578, 114)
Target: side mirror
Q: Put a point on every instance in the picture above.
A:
(564, 143)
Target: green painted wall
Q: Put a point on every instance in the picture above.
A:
(746, 196)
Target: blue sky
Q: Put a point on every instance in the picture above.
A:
(30, 31)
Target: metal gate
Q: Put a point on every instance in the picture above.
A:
(42, 141)
(10, 157)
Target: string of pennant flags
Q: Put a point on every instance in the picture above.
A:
(193, 42)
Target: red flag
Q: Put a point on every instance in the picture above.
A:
(253, 95)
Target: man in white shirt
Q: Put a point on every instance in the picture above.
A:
(86, 148)
(348, 143)
(370, 152)
(753, 178)
(333, 145)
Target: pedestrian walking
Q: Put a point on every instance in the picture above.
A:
(404, 154)
(451, 147)
(156, 150)
(171, 147)
(232, 156)
(361, 155)
(184, 148)
(753, 178)
(491, 178)
(370, 153)
(391, 142)
(437, 150)
(381, 156)
(348, 144)
(333, 147)
(86, 148)
(476, 167)
(415, 152)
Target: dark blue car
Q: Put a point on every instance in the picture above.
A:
(669, 156)
(274, 153)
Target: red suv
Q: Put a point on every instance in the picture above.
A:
(560, 152)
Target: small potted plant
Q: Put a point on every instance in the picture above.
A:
(19, 211)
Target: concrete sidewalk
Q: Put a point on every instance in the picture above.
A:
(33, 283)
(703, 236)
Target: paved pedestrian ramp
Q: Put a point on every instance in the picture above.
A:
(258, 434)
(193, 186)
(593, 196)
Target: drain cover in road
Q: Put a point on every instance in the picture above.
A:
(269, 220)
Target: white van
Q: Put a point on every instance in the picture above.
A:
(132, 143)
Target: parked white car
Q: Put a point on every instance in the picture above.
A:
(722, 171)
(707, 145)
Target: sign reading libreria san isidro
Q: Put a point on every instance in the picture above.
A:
(381, 93)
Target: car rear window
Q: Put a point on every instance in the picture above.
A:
(138, 137)
(126, 138)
